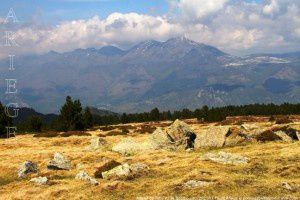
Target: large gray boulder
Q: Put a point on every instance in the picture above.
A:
(177, 134)
(214, 136)
(26, 168)
(59, 162)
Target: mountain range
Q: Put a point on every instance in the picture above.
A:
(175, 74)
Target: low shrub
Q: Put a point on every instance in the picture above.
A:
(46, 134)
(74, 133)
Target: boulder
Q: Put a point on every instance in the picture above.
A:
(214, 136)
(119, 172)
(26, 168)
(177, 134)
(160, 139)
(288, 186)
(283, 136)
(39, 180)
(226, 158)
(105, 166)
(249, 127)
(59, 162)
(85, 177)
(138, 167)
(96, 143)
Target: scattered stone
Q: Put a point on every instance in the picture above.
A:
(26, 168)
(197, 184)
(181, 133)
(96, 143)
(139, 167)
(160, 139)
(40, 180)
(249, 127)
(105, 166)
(189, 150)
(284, 136)
(287, 186)
(176, 135)
(59, 162)
(79, 166)
(215, 136)
(226, 158)
(85, 177)
(119, 172)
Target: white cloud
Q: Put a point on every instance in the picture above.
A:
(234, 27)
(194, 10)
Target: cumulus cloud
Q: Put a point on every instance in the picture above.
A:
(235, 27)
(194, 10)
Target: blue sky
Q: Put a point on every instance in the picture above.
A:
(58, 10)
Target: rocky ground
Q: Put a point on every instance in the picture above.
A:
(166, 160)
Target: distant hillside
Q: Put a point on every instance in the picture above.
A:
(26, 113)
(170, 75)
(100, 112)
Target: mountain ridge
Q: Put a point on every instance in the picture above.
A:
(174, 74)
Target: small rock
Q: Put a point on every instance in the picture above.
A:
(249, 127)
(106, 166)
(40, 180)
(59, 162)
(189, 150)
(96, 143)
(298, 135)
(288, 186)
(85, 177)
(26, 168)
(226, 158)
(139, 167)
(119, 172)
(284, 136)
(197, 184)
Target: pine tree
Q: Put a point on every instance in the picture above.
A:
(154, 114)
(5, 121)
(88, 118)
(70, 117)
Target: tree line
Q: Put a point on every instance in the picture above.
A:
(73, 117)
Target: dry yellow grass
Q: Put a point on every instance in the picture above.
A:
(271, 164)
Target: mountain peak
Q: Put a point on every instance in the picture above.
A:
(182, 39)
(111, 51)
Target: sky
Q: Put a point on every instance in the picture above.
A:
(238, 27)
